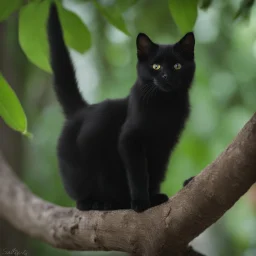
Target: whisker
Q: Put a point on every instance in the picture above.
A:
(153, 93)
(146, 95)
(149, 93)
(145, 90)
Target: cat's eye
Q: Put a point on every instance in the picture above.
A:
(156, 66)
(177, 66)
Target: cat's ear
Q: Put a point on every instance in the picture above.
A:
(186, 45)
(144, 45)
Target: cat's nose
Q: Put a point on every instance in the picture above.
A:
(164, 76)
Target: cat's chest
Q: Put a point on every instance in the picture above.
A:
(159, 116)
(162, 122)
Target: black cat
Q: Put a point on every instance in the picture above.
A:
(114, 154)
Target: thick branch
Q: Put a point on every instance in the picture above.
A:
(163, 230)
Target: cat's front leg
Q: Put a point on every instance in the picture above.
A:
(132, 153)
(157, 156)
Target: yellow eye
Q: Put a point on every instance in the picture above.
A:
(177, 66)
(156, 66)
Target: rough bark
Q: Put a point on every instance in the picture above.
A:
(163, 230)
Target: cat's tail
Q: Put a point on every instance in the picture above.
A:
(65, 83)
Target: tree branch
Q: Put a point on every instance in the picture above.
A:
(162, 230)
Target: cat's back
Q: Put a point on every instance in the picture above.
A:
(106, 116)
(100, 122)
(109, 111)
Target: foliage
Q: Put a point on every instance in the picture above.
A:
(184, 13)
(32, 35)
(8, 7)
(10, 108)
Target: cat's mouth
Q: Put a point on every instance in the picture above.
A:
(163, 86)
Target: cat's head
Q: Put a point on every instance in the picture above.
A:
(169, 67)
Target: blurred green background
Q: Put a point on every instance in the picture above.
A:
(222, 98)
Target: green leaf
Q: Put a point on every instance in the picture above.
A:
(7, 7)
(244, 9)
(113, 15)
(184, 13)
(123, 5)
(32, 33)
(205, 4)
(10, 108)
(76, 34)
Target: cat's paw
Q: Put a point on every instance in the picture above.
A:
(84, 205)
(157, 199)
(140, 205)
(109, 206)
(98, 206)
(87, 205)
(187, 181)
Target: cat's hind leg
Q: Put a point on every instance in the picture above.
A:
(90, 143)
(79, 182)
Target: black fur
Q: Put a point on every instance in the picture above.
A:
(114, 154)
